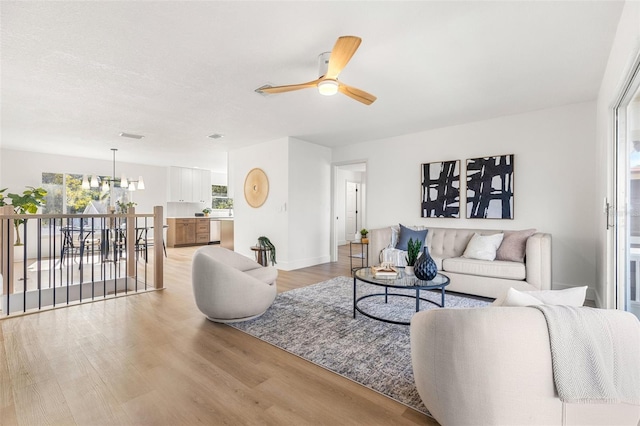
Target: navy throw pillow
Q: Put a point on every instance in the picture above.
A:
(408, 233)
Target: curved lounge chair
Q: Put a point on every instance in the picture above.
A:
(229, 287)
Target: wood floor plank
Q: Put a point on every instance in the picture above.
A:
(91, 402)
(43, 403)
(153, 358)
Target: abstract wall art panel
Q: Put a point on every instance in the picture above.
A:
(441, 189)
(490, 187)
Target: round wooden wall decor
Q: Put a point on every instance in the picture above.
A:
(256, 187)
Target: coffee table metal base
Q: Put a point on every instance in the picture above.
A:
(386, 295)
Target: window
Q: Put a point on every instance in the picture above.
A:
(220, 199)
(65, 195)
(627, 192)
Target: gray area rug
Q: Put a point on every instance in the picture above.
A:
(316, 323)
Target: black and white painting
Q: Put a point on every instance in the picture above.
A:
(490, 187)
(441, 189)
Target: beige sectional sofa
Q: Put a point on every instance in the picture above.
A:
(472, 276)
(493, 366)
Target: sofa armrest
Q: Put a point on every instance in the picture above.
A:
(538, 261)
(379, 239)
(492, 366)
(489, 366)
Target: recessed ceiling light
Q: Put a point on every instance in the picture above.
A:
(216, 136)
(131, 135)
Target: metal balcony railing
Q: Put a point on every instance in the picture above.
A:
(70, 259)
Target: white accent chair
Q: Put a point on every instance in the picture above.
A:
(230, 287)
(492, 366)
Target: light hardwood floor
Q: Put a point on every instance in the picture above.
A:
(153, 359)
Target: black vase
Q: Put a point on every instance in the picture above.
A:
(425, 267)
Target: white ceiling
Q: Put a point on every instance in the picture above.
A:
(76, 74)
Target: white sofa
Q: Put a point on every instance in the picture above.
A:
(492, 366)
(230, 287)
(478, 277)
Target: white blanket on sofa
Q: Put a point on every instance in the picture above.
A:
(594, 359)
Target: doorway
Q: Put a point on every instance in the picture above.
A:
(349, 214)
(353, 210)
(626, 218)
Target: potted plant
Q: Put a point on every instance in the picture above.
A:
(124, 207)
(267, 245)
(207, 211)
(27, 203)
(413, 251)
(363, 234)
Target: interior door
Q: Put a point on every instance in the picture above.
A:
(352, 204)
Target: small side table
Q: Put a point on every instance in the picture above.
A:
(262, 254)
(364, 260)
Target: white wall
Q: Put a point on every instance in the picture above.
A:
(625, 48)
(219, 178)
(554, 179)
(271, 219)
(309, 204)
(296, 214)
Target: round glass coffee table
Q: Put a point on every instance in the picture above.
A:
(402, 281)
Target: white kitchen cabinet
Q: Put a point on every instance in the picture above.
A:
(189, 185)
(202, 186)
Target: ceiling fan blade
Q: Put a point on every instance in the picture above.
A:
(341, 54)
(289, 88)
(357, 94)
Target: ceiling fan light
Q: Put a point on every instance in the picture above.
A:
(94, 182)
(328, 87)
(132, 187)
(85, 182)
(140, 183)
(123, 182)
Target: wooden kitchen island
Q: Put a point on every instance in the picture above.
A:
(193, 231)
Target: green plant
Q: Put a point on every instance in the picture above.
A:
(207, 210)
(264, 242)
(364, 232)
(413, 251)
(124, 207)
(27, 203)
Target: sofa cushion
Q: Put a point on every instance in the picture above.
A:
(513, 245)
(483, 247)
(486, 268)
(406, 234)
(448, 242)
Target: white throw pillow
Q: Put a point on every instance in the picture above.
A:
(519, 298)
(483, 247)
(568, 297)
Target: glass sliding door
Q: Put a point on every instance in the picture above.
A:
(627, 219)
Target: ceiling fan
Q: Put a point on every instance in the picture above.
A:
(331, 64)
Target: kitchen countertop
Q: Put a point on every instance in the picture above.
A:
(202, 217)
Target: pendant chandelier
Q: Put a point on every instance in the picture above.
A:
(109, 183)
